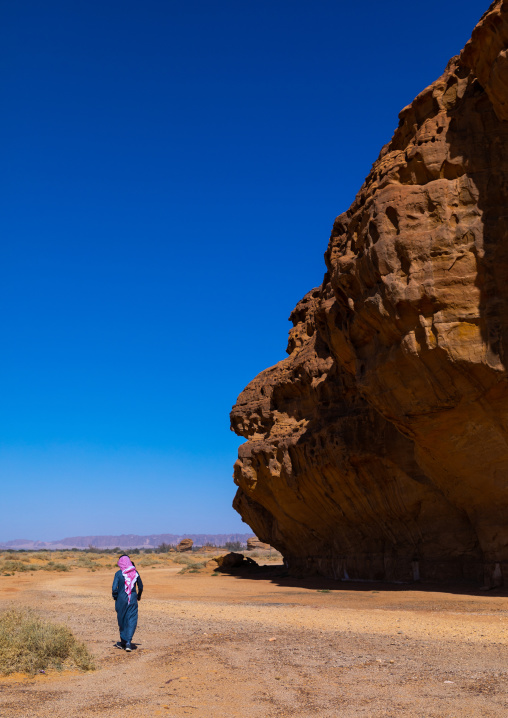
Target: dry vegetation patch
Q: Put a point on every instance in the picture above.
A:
(189, 564)
(15, 562)
(12, 562)
(29, 644)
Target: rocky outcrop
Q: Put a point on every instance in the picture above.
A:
(254, 544)
(231, 561)
(185, 545)
(379, 447)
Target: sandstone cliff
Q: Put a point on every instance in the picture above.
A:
(379, 447)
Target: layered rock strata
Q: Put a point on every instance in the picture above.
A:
(379, 448)
(254, 543)
(185, 545)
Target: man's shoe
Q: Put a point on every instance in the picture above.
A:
(120, 644)
(128, 647)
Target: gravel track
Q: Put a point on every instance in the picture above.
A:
(263, 647)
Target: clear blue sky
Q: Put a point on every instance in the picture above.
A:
(171, 174)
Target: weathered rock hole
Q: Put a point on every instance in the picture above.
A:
(373, 232)
(392, 215)
(431, 205)
(405, 265)
(451, 171)
(462, 71)
(476, 88)
(425, 106)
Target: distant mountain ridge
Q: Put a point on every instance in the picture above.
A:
(124, 541)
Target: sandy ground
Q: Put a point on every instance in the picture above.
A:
(259, 646)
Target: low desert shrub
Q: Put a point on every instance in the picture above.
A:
(145, 561)
(15, 566)
(182, 558)
(86, 562)
(29, 644)
(193, 567)
(20, 565)
(52, 566)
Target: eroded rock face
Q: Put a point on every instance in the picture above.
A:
(185, 545)
(379, 447)
(254, 543)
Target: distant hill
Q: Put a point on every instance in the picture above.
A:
(124, 541)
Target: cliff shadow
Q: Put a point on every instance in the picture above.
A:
(277, 575)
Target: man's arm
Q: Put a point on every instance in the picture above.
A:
(114, 589)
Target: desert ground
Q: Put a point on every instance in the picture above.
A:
(262, 644)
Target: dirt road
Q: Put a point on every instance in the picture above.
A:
(261, 647)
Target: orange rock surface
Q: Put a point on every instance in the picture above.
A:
(254, 543)
(378, 449)
(185, 545)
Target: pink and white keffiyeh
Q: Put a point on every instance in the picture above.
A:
(129, 573)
